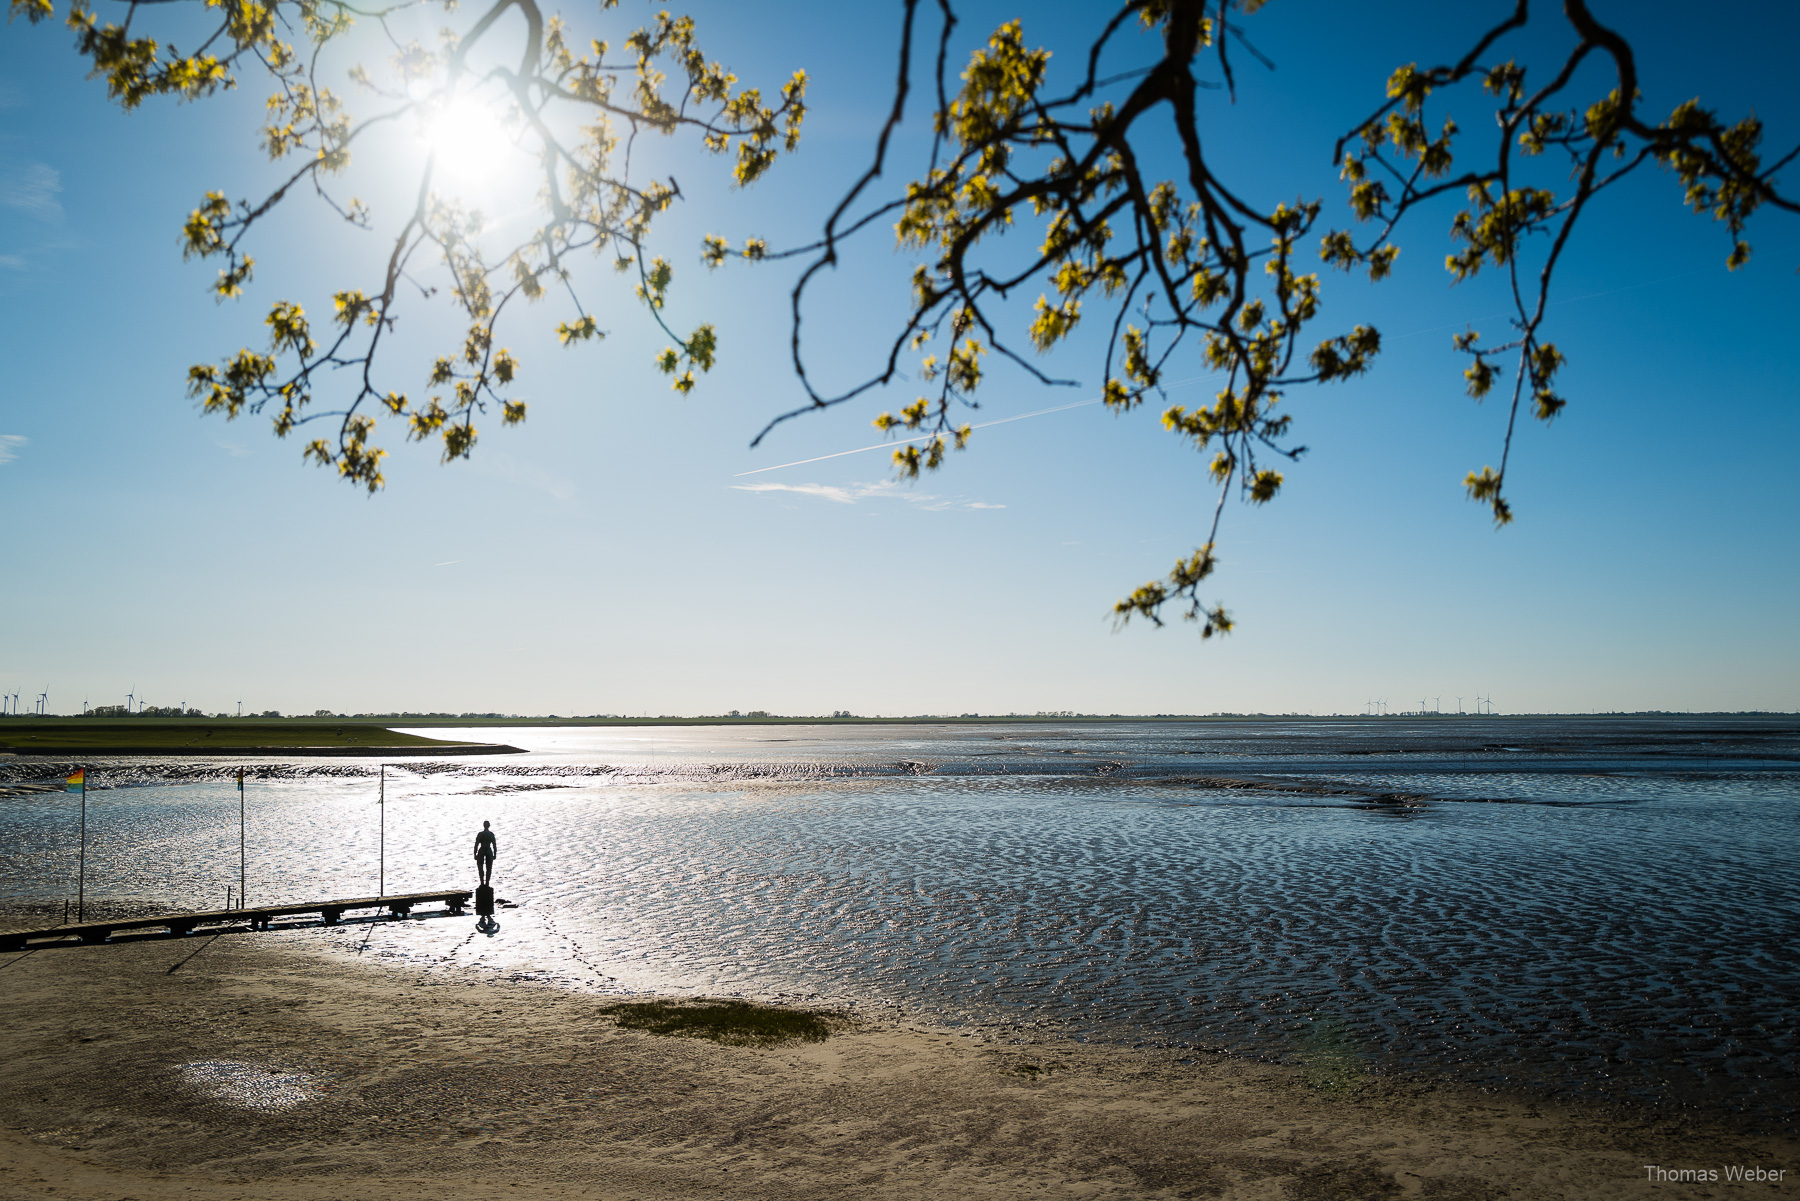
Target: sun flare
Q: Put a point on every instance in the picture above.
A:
(469, 141)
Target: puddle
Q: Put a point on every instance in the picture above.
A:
(247, 1086)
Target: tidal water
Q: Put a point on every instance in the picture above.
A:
(1583, 907)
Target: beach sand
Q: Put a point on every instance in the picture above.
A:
(415, 1084)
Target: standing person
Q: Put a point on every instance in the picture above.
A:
(486, 847)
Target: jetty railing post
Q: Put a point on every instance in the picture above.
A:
(81, 872)
(381, 876)
(243, 870)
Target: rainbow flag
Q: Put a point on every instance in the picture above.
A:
(78, 781)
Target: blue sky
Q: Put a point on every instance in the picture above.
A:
(613, 556)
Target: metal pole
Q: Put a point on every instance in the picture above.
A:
(243, 867)
(381, 879)
(81, 876)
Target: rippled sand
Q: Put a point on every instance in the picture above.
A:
(261, 1066)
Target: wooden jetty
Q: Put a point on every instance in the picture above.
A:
(257, 917)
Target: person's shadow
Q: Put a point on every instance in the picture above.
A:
(488, 926)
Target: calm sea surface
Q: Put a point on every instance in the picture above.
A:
(1594, 907)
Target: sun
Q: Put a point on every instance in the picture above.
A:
(470, 142)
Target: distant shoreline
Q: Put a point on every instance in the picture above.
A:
(372, 735)
(446, 748)
(427, 720)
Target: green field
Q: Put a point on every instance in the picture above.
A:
(499, 721)
(78, 736)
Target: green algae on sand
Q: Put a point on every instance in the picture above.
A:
(733, 1023)
(229, 736)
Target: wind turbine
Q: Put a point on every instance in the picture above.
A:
(1459, 706)
(129, 697)
(43, 701)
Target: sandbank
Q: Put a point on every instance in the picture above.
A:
(80, 738)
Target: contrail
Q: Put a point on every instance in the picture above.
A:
(1079, 404)
(1214, 375)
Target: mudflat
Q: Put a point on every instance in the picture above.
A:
(237, 1066)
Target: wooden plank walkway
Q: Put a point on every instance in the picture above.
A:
(257, 916)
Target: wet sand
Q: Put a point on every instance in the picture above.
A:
(409, 1083)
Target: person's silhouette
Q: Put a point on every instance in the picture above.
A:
(486, 847)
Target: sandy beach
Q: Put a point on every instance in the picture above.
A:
(401, 1083)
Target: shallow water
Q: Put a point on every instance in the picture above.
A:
(1588, 907)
